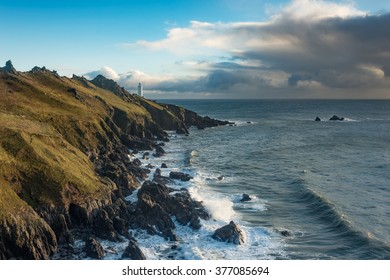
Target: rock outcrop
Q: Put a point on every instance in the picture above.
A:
(336, 118)
(230, 233)
(8, 68)
(94, 249)
(133, 252)
(157, 204)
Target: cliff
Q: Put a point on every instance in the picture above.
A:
(63, 153)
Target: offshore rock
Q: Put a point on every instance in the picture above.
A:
(245, 197)
(336, 118)
(317, 119)
(230, 233)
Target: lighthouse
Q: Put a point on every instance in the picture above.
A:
(140, 90)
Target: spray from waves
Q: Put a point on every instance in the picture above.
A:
(337, 224)
(199, 244)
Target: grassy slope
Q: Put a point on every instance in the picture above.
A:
(46, 134)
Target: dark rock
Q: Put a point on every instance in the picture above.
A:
(104, 227)
(180, 176)
(9, 68)
(249, 122)
(149, 166)
(230, 233)
(133, 252)
(78, 214)
(121, 226)
(145, 155)
(164, 165)
(182, 131)
(156, 205)
(220, 178)
(94, 249)
(137, 162)
(336, 118)
(285, 233)
(317, 119)
(159, 152)
(245, 197)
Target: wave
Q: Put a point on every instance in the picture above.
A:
(337, 224)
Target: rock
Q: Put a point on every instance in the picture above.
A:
(94, 249)
(9, 68)
(285, 233)
(120, 226)
(159, 152)
(230, 233)
(137, 162)
(336, 118)
(164, 165)
(180, 176)
(157, 204)
(245, 197)
(182, 131)
(133, 252)
(220, 178)
(145, 155)
(317, 119)
(149, 166)
(104, 227)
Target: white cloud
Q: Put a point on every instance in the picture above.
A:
(312, 45)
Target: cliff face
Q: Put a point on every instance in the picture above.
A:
(63, 154)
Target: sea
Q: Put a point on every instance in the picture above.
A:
(319, 190)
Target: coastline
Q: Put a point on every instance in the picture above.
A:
(66, 172)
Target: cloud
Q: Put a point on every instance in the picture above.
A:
(308, 45)
(105, 71)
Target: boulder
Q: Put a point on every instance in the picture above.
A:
(180, 176)
(245, 197)
(317, 119)
(164, 165)
(230, 233)
(94, 249)
(133, 252)
(159, 152)
(336, 118)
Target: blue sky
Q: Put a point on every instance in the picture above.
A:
(203, 49)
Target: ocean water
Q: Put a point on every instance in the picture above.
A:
(325, 185)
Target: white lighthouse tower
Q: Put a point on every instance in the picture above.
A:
(140, 90)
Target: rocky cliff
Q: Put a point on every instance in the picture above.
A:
(64, 159)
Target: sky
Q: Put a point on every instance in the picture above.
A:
(328, 49)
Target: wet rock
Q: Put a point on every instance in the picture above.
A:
(145, 155)
(317, 119)
(137, 162)
(230, 233)
(336, 118)
(220, 178)
(164, 165)
(133, 252)
(94, 249)
(245, 197)
(149, 166)
(159, 152)
(285, 233)
(182, 130)
(180, 176)
(157, 203)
